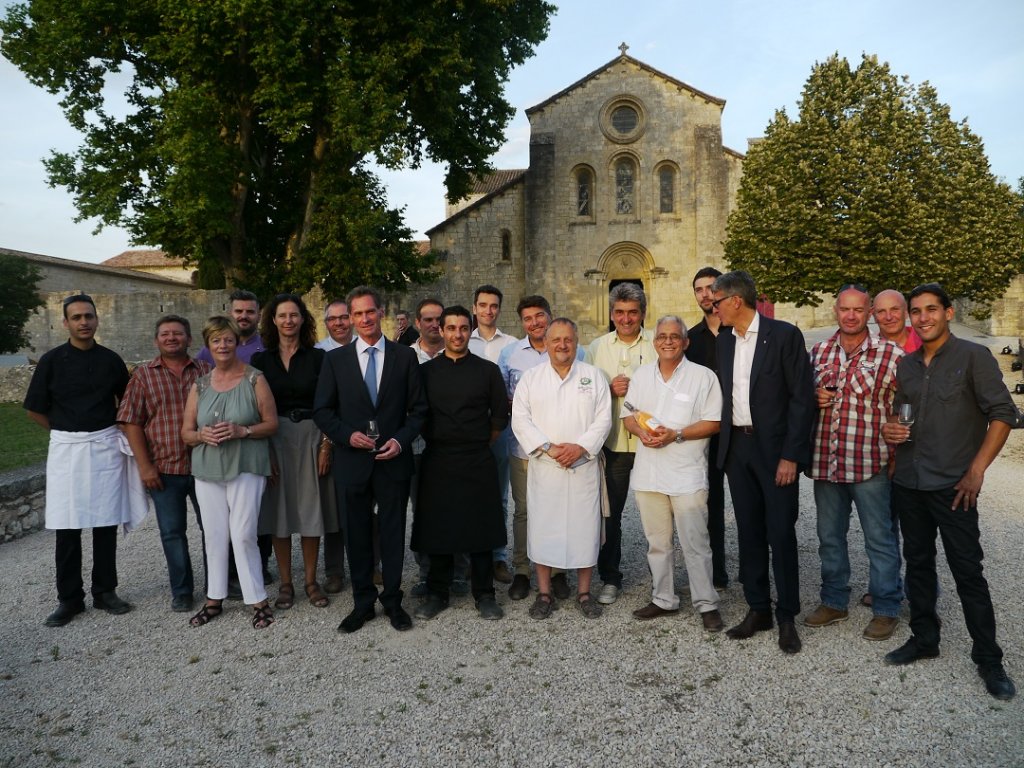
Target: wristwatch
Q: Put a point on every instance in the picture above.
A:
(546, 447)
(248, 431)
(679, 437)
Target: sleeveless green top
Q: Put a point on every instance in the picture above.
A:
(238, 405)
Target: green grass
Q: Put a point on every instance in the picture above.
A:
(25, 441)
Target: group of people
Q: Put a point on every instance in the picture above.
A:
(273, 434)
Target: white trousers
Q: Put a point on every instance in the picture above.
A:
(231, 513)
(690, 513)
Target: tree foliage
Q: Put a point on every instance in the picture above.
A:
(874, 183)
(249, 124)
(19, 298)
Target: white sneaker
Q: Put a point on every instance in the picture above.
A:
(609, 594)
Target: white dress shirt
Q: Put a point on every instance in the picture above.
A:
(743, 361)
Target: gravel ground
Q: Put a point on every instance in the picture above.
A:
(147, 690)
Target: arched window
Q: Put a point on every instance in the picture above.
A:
(506, 245)
(625, 187)
(584, 192)
(666, 189)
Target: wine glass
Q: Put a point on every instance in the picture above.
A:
(830, 383)
(905, 416)
(373, 432)
(625, 361)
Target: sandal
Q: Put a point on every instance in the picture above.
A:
(262, 616)
(588, 606)
(285, 597)
(316, 595)
(542, 606)
(207, 613)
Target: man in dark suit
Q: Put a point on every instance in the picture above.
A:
(372, 379)
(767, 414)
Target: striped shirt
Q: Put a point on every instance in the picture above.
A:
(848, 444)
(155, 400)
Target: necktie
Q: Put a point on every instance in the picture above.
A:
(371, 374)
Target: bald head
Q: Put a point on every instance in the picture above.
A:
(890, 311)
(852, 310)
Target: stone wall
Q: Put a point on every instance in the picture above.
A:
(22, 501)
(1007, 318)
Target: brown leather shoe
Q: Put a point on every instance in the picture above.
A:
(822, 616)
(881, 627)
(501, 573)
(789, 640)
(712, 621)
(652, 611)
(753, 622)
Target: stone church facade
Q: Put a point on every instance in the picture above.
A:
(628, 181)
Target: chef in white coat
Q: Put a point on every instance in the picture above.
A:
(561, 415)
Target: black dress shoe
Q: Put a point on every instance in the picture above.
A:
(355, 620)
(65, 612)
(400, 620)
(182, 603)
(910, 652)
(560, 587)
(489, 608)
(789, 640)
(997, 682)
(520, 587)
(753, 622)
(430, 607)
(111, 603)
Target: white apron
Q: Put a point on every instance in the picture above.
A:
(90, 483)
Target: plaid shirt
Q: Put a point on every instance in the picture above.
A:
(155, 400)
(848, 444)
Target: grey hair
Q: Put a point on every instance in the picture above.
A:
(627, 292)
(737, 283)
(564, 321)
(327, 309)
(672, 319)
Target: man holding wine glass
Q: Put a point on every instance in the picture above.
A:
(372, 380)
(618, 354)
(855, 382)
(962, 414)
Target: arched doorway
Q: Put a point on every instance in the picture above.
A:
(623, 262)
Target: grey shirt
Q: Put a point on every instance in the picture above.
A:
(954, 399)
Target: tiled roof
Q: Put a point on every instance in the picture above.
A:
(143, 258)
(499, 179)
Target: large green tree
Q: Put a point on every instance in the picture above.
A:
(250, 124)
(873, 183)
(19, 298)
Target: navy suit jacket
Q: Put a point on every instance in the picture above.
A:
(782, 404)
(342, 406)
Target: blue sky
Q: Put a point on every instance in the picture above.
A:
(755, 55)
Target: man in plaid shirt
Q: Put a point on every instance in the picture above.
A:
(150, 416)
(855, 383)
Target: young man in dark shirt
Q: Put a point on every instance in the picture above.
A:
(962, 414)
(74, 394)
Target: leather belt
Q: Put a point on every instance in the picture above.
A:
(744, 430)
(300, 414)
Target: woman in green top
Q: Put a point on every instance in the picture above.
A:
(229, 415)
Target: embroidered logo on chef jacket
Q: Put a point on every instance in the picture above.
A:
(586, 384)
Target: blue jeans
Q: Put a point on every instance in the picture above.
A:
(172, 518)
(500, 450)
(834, 501)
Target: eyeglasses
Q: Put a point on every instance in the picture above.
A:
(664, 338)
(716, 302)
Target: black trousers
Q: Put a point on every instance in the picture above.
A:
(716, 517)
(481, 574)
(69, 563)
(617, 466)
(765, 521)
(356, 506)
(922, 514)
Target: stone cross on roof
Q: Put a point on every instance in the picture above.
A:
(623, 48)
